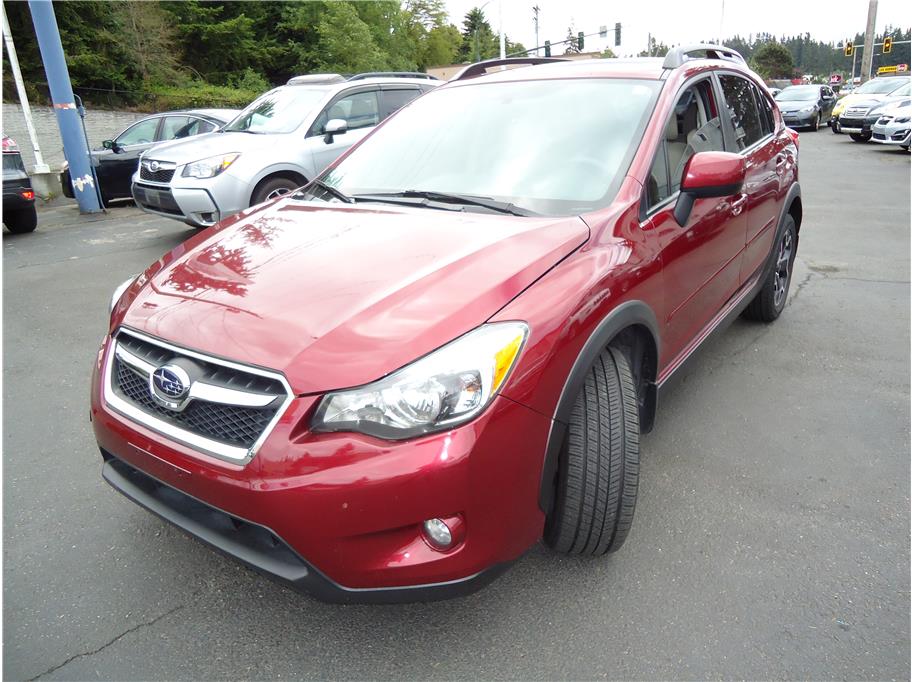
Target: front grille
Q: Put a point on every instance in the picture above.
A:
(856, 112)
(234, 412)
(162, 175)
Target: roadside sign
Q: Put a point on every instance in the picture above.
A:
(896, 68)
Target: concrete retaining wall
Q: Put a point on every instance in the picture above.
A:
(100, 125)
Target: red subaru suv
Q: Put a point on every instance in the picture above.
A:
(392, 382)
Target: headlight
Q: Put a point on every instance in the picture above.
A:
(209, 168)
(119, 291)
(445, 388)
(903, 119)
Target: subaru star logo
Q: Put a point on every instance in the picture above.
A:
(169, 384)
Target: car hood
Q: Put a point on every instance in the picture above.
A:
(340, 296)
(206, 145)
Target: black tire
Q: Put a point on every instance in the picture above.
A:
(770, 301)
(271, 187)
(816, 124)
(835, 126)
(21, 220)
(599, 465)
(859, 137)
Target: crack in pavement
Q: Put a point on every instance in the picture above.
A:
(106, 645)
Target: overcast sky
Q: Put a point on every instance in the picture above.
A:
(681, 21)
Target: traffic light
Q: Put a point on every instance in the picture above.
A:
(888, 45)
(849, 49)
(580, 39)
(547, 48)
(617, 34)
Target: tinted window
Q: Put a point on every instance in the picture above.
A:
(140, 133)
(393, 100)
(195, 126)
(694, 126)
(742, 109)
(518, 144)
(13, 162)
(767, 120)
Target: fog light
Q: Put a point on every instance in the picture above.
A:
(438, 533)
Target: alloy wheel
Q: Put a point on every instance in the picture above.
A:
(781, 275)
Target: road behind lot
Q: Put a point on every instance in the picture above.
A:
(772, 529)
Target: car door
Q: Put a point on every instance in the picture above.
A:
(115, 169)
(752, 126)
(827, 102)
(359, 108)
(701, 259)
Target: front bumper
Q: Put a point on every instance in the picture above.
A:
(796, 120)
(346, 510)
(859, 126)
(201, 206)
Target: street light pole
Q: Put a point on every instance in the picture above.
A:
(503, 42)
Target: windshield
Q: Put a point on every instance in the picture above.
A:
(554, 147)
(904, 91)
(880, 86)
(799, 93)
(13, 162)
(279, 111)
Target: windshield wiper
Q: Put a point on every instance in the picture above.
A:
(453, 198)
(329, 189)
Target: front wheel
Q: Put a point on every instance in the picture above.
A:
(598, 469)
(271, 188)
(835, 125)
(816, 124)
(770, 300)
(21, 220)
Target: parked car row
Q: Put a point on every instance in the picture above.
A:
(857, 113)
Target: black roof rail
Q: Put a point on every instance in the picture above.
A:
(393, 74)
(678, 55)
(480, 68)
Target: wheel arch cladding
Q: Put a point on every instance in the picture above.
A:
(632, 319)
(289, 174)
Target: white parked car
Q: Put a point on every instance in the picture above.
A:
(893, 126)
(281, 141)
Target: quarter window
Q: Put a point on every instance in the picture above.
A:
(742, 109)
(767, 120)
(172, 126)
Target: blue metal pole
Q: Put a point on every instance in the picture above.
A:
(74, 145)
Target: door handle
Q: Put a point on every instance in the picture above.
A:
(738, 204)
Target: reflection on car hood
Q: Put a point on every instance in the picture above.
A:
(796, 105)
(339, 296)
(208, 144)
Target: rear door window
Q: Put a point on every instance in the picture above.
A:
(742, 110)
(393, 100)
(172, 126)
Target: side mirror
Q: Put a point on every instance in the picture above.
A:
(335, 126)
(708, 174)
(112, 145)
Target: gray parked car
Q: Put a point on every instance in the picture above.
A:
(281, 141)
(806, 106)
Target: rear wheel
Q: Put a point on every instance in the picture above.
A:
(21, 220)
(599, 464)
(770, 300)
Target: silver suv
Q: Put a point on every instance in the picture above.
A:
(281, 141)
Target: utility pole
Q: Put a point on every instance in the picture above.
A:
(867, 59)
(536, 10)
(74, 144)
(40, 165)
(503, 41)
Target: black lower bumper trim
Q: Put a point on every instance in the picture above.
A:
(263, 550)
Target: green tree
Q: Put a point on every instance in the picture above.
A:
(655, 49)
(571, 46)
(773, 60)
(478, 40)
(340, 29)
(608, 54)
(442, 46)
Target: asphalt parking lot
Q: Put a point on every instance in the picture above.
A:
(772, 530)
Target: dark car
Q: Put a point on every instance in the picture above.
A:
(806, 106)
(393, 382)
(19, 214)
(118, 159)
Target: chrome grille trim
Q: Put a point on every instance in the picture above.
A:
(208, 392)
